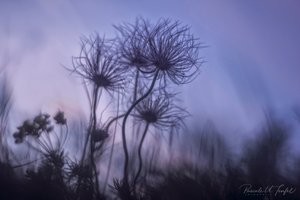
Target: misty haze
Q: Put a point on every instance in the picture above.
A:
(149, 100)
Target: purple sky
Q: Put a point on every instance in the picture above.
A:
(253, 60)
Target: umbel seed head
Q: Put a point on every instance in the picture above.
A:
(160, 112)
(60, 118)
(97, 64)
(150, 116)
(100, 135)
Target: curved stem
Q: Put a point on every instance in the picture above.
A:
(112, 120)
(44, 146)
(34, 147)
(140, 155)
(124, 127)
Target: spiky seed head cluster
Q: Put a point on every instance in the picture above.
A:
(97, 64)
(76, 170)
(165, 46)
(159, 112)
(132, 45)
(56, 158)
(40, 123)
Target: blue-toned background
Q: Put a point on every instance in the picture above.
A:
(253, 61)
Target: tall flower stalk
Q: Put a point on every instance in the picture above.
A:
(124, 127)
(161, 52)
(160, 113)
(153, 55)
(98, 67)
(144, 59)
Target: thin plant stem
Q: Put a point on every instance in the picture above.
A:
(49, 140)
(92, 120)
(124, 127)
(92, 130)
(113, 120)
(140, 154)
(44, 146)
(24, 164)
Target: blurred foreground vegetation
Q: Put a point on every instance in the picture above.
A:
(197, 165)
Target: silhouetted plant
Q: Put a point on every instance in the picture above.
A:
(144, 60)
(60, 118)
(42, 132)
(161, 51)
(75, 172)
(166, 46)
(40, 124)
(265, 157)
(97, 64)
(100, 135)
(160, 113)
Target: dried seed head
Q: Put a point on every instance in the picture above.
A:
(97, 64)
(60, 118)
(40, 123)
(165, 46)
(100, 135)
(159, 112)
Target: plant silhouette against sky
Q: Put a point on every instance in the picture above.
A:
(140, 64)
